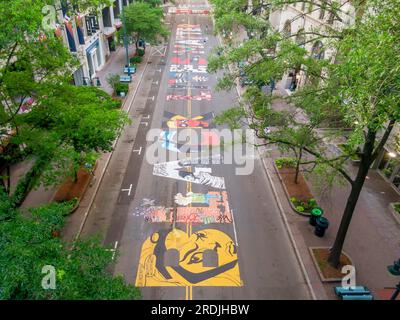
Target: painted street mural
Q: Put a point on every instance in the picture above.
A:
(177, 121)
(198, 175)
(174, 258)
(202, 208)
(176, 255)
(204, 95)
(187, 68)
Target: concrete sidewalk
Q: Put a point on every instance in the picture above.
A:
(115, 65)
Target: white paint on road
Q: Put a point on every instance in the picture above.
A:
(129, 190)
(139, 151)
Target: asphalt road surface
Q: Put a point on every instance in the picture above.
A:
(189, 230)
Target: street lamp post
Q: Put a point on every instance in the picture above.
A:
(126, 44)
(395, 270)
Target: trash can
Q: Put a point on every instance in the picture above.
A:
(320, 228)
(315, 214)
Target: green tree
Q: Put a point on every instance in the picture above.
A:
(65, 125)
(31, 241)
(145, 21)
(361, 89)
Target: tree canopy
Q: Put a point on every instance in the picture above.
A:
(31, 241)
(144, 20)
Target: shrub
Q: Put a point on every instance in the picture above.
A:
(397, 207)
(135, 59)
(312, 203)
(140, 52)
(285, 162)
(113, 80)
(122, 87)
(305, 206)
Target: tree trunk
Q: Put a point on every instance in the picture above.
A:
(137, 43)
(366, 161)
(296, 177)
(367, 158)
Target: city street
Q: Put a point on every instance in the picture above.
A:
(190, 231)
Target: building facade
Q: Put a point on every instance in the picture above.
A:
(91, 36)
(296, 20)
(307, 16)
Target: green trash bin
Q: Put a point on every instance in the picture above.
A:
(316, 213)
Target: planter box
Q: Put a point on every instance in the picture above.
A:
(324, 278)
(393, 211)
(304, 214)
(70, 190)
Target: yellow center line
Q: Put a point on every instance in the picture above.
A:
(189, 295)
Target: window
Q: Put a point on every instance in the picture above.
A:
(331, 18)
(301, 38)
(92, 24)
(317, 51)
(287, 28)
(310, 7)
(322, 10)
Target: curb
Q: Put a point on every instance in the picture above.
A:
(393, 211)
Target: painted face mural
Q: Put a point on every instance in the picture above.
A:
(190, 266)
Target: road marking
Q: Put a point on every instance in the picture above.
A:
(152, 98)
(139, 151)
(114, 250)
(129, 190)
(159, 70)
(146, 117)
(156, 83)
(159, 51)
(234, 228)
(145, 123)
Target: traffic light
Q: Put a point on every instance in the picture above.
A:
(395, 268)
